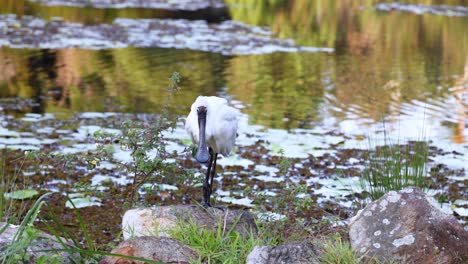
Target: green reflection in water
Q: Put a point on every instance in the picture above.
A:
(286, 93)
(90, 15)
(130, 80)
(381, 59)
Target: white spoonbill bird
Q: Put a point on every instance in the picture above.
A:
(212, 125)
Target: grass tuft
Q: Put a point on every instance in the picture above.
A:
(393, 167)
(215, 246)
(337, 251)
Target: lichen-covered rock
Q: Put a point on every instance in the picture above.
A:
(408, 226)
(294, 253)
(163, 249)
(157, 221)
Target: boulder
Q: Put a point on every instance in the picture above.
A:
(408, 226)
(162, 249)
(157, 221)
(38, 247)
(293, 253)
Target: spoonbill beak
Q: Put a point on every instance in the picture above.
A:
(202, 155)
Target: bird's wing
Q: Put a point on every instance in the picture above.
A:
(226, 129)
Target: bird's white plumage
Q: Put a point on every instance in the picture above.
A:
(221, 123)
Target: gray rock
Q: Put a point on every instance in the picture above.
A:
(163, 249)
(408, 226)
(158, 220)
(38, 246)
(294, 253)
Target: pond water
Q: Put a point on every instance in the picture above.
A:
(318, 79)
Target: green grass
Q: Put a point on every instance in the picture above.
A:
(16, 251)
(10, 209)
(216, 246)
(337, 251)
(393, 167)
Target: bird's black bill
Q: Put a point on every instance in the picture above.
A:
(202, 155)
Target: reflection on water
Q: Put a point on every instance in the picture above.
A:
(88, 15)
(380, 70)
(460, 92)
(129, 80)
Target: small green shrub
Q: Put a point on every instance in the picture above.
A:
(142, 139)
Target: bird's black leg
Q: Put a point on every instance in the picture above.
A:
(207, 188)
(213, 172)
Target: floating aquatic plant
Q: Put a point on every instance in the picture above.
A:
(21, 194)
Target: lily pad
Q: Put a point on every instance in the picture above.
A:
(21, 194)
(81, 200)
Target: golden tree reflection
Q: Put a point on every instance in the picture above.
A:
(460, 93)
